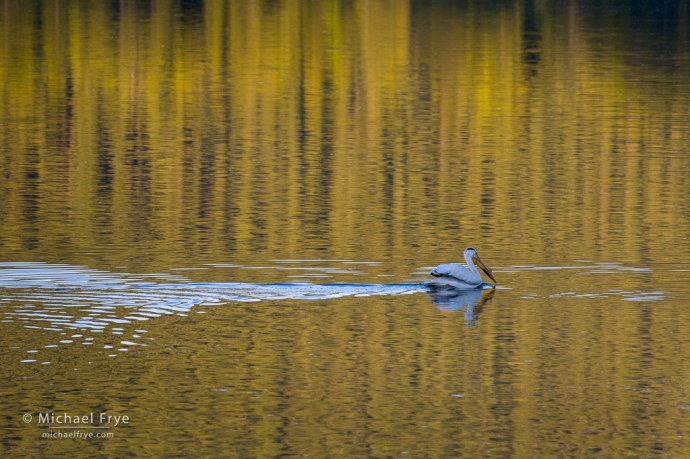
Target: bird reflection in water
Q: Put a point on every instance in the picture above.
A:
(471, 301)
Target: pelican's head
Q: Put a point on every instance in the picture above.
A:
(471, 254)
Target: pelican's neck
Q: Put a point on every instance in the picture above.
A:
(470, 263)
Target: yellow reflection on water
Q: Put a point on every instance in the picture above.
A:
(297, 127)
(158, 135)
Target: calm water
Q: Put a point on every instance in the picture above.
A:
(215, 219)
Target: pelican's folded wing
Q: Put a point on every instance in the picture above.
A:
(455, 270)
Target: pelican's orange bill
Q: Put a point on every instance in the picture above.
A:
(486, 269)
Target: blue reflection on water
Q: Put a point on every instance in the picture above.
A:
(64, 296)
(58, 297)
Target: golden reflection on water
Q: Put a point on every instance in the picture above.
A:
(159, 135)
(289, 128)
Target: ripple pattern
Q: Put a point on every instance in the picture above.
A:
(56, 297)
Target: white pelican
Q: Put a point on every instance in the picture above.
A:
(457, 276)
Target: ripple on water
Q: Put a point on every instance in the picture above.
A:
(76, 298)
(97, 300)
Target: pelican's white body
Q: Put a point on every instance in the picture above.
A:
(456, 275)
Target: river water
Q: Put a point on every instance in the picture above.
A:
(216, 219)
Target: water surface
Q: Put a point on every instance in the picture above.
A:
(216, 218)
